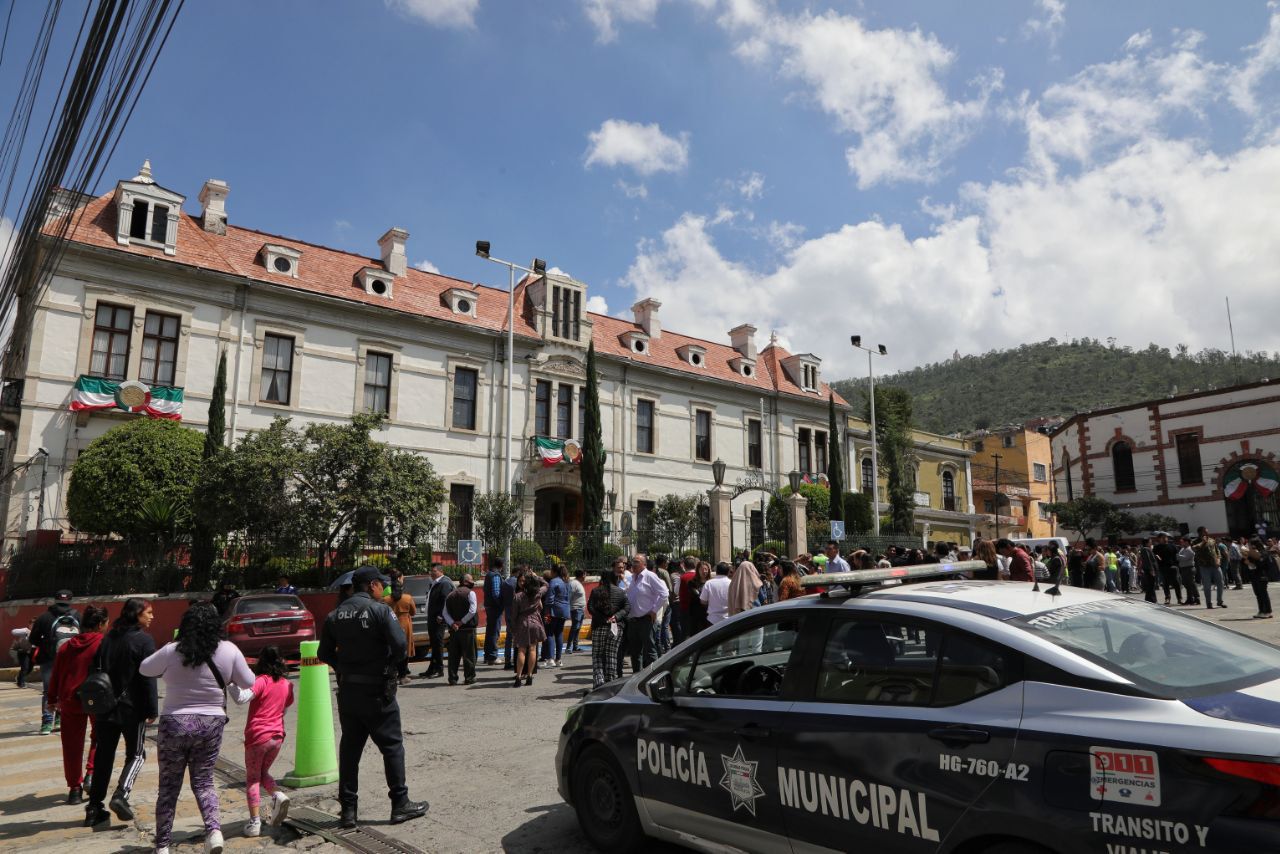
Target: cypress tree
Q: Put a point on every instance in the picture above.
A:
(835, 466)
(202, 544)
(593, 458)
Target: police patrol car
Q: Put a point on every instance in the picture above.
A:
(945, 715)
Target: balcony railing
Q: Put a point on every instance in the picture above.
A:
(1014, 489)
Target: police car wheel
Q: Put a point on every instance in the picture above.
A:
(602, 798)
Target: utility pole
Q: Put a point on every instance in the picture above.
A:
(996, 457)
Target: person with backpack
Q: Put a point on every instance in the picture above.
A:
(196, 669)
(263, 738)
(20, 651)
(71, 666)
(53, 628)
(131, 705)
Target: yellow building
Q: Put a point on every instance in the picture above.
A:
(944, 501)
(1011, 482)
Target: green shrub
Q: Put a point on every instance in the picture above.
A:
(380, 561)
(609, 552)
(776, 547)
(526, 552)
(697, 553)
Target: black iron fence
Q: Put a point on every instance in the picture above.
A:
(106, 566)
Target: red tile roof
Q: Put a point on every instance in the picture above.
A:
(331, 272)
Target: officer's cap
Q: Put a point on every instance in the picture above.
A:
(368, 575)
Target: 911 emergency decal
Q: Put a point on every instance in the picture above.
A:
(739, 780)
(884, 807)
(1124, 776)
(686, 764)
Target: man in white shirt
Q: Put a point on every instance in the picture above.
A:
(647, 595)
(715, 594)
(835, 563)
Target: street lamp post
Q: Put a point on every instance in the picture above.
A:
(856, 341)
(539, 269)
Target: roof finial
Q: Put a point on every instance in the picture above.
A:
(773, 338)
(144, 174)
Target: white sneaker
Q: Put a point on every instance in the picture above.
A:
(279, 808)
(213, 843)
(163, 850)
(253, 827)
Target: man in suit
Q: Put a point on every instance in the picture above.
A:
(441, 587)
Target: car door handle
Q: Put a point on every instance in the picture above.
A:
(753, 731)
(958, 735)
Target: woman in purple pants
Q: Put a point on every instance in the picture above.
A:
(196, 669)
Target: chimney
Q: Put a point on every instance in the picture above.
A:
(646, 315)
(392, 246)
(743, 339)
(213, 200)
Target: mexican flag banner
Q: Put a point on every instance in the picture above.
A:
(1261, 475)
(93, 394)
(555, 451)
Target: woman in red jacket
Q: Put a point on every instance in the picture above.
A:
(70, 667)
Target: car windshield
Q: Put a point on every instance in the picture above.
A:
(1161, 651)
(263, 604)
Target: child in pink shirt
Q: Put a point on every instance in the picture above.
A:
(263, 737)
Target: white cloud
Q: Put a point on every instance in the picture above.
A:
(1261, 65)
(632, 191)
(1140, 240)
(883, 86)
(597, 304)
(783, 235)
(1138, 41)
(605, 15)
(1050, 21)
(426, 266)
(643, 148)
(751, 187)
(454, 14)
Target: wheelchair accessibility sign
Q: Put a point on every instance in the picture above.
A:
(470, 552)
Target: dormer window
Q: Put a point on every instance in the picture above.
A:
(461, 301)
(146, 213)
(376, 281)
(280, 259)
(743, 366)
(803, 370)
(636, 341)
(566, 312)
(692, 355)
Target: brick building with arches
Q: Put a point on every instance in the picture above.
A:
(1207, 458)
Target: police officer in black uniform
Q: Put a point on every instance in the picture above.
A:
(362, 641)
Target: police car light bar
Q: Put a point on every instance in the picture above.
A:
(900, 574)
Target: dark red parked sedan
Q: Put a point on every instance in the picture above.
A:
(256, 622)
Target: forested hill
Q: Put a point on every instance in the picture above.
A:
(1052, 378)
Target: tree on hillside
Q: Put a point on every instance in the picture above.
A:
(149, 463)
(835, 462)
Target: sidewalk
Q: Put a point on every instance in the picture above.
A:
(34, 815)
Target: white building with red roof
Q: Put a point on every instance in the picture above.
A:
(144, 296)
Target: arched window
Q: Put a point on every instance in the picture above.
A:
(1122, 465)
(948, 491)
(866, 476)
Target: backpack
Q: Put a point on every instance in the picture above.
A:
(64, 629)
(96, 693)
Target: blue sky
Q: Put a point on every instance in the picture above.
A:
(940, 176)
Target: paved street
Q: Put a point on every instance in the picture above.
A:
(482, 756)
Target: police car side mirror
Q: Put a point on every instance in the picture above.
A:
(661, 689)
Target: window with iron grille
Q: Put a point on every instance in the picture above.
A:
(702, 435)
(111, 328)
(1040, 471)
(755, 457)
(464, 398)
(277, 368)
(564, 411)
(644, 426)
(377, 382)
(542, 408)
(159, 349)
(461, 498)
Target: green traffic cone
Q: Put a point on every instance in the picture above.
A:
(315, 756)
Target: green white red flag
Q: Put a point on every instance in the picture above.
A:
(93, 394)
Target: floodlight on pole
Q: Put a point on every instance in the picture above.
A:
(881, 350)
(539, 269)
